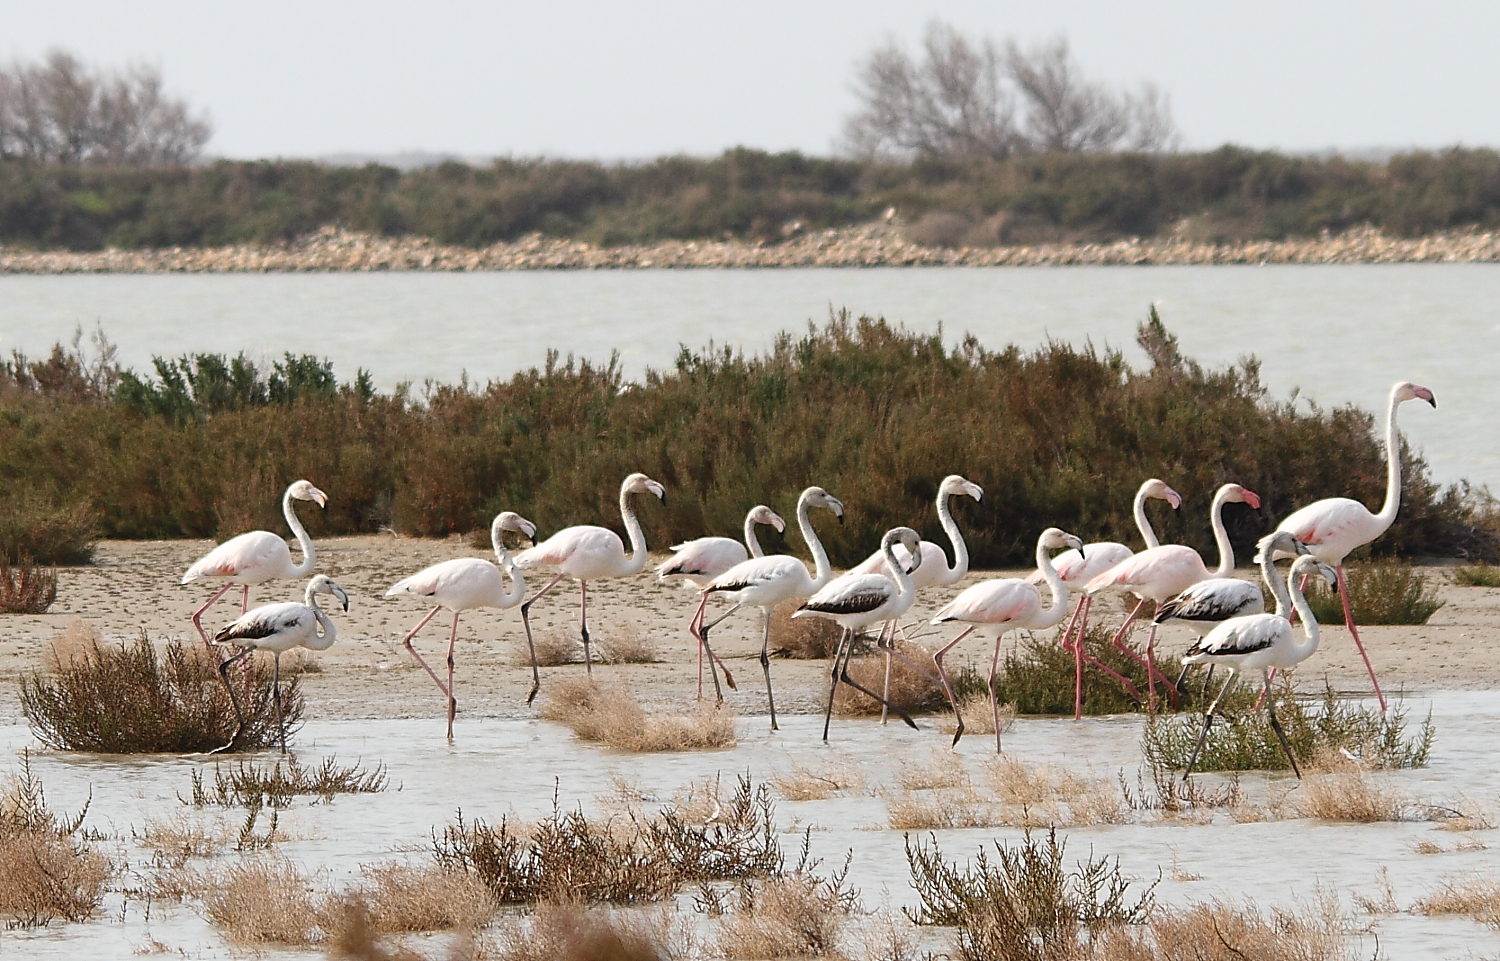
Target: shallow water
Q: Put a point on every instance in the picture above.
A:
(496, 767)
(1343, 334)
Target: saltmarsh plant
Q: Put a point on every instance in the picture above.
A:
(1477, 575)
(248, 784)
(26, 588)
(613, 717)
(47, 870)
(1380, 592)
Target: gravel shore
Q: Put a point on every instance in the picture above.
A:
(871, 245)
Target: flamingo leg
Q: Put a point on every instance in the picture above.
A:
(693, 629)
(1261, 697)
(452, 702)
(245, 606)
(833, 680)
(198, 614)
(1208, 719)
(1276, 725)
(765, 665)
(887, 645)
(994, 700)
(713, 658)
(1354, 631)
(239, 715)
(406, 642)
(583, 625)
(276, 697)
(536, 674)
(937, 659)
(1078, 609)
(1119, 639)
(1152, 674)
(844, 677)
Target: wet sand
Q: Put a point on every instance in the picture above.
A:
(367, 674)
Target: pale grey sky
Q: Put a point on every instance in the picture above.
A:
(631, 80)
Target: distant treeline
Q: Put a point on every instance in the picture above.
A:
(878, 415)
(1226, 194)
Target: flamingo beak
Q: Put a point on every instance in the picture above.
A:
(1426, 395)
(320, 497)
(1253, 499)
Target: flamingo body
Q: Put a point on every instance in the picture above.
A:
(462, 584)
(250, 559)
(932, 570)
(1155, 574)
(1212, 601)
(583, 553)
(1004, 603)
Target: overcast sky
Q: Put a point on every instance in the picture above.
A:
(631, 80)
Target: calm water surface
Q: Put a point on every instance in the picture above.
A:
(1340, 334)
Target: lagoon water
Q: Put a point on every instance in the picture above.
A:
(1339, 334)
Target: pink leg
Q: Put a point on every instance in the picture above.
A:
(198, 614)
(406, 641)
(1078, 610)
(1078, 665)
(452, 701)
(583, 625)
(1119, 639)
(1349, 622)
(693, 629)
(1270, 676)
(948, 688)
(994, 701)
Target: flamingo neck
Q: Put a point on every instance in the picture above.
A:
(1221, 536)
(637, 559)
(1308, 646)
(822, 570)
(330, 633)
(512, 596)
(905, 591)
(1142, 522)
(1272, 576)
(960, 549)
(309, 554)
(1054, 614)
(1387, 514)
(752, 543)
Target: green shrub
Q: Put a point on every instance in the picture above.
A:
(1380, 592)
(1479, 575)
(37, 529)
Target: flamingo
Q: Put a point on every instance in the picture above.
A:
(698, 562)
(1075, 572)
(764, 582)
(1261, 642)
(1333, 527)
(256, 557)
(1166, 571)
(1004, 604)
(855, 601)
(586, 553)
(278, 628)
(463, 584)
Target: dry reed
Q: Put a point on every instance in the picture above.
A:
(911, 689)
(814, 783)
(1220, 931)
(1475, 895)
(266, 900)
(613, 717)
(793, 916)
(572, 931)
(26, 588)
(628, 645)
(407, 897)
(248, 784)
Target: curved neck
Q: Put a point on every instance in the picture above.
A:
(1221, 537)
(822, 571)
(309, 555)
(637, 560)
(752, 543)
(1054, 614)
(960, 549)
(1142, 523)
(1272, 575)
(1392, 504)
(1309, 644)
(895, 571)
(330, 634)
(512, 596)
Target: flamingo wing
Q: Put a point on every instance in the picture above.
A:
(455, 584)
(758, 571)
(1097, 558)
(578, 551)
(704, 557)
(851, 594)
(991, 602)
(1238, 637)
(875, 563)
(251, 554)
(1160, 571)
(271, 626)
(1337, 524)
(1212, 601)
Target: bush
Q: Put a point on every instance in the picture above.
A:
(46, 871)
(1380, 592)
(136, 699)
(274, 785)
(26, 588)
(613, 717)
(33, 528)
(1478, 575)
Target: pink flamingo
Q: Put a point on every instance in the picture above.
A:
(1165, 571)
(1077, 568)
(256, 557)
(463, 584)
(698, 562)
(1333, 527)
(1005, 604)
(586, 553)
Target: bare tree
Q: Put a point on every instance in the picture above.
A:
(971, 100)
(60, 111)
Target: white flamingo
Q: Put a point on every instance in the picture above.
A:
(463, 584)
(697, 562)
(256, 557)
(1005, 604)
(1333, 527)
(764, 582)
(586, 553)
(855, 601)
(279, 628)
(1166, 571)
(1261, 642)
(1077, 568)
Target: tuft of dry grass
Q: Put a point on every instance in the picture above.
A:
(1220, 931)
(1184, 800)
(409, 897)
(612, 716)
(941, 768)
(628, 646)
(802, 638)
(808, 783)
(1354, 796)
(248, 784)
(793, 916)
(1387, 591)
(1476, 895)
(26, 588)
(553, 649)
(265, 900)
(978, 719)
(1478, 575)
(1041, 794)
(911, 690)
(572, 931)
(136, 699)
(176, 839)
(46, 870)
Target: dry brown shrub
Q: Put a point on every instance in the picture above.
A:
(264, 901)
(1354, 795)
(26, 588)
(179, 837)
(802, 638)
(613, 717)
(628, 646)
(940, 810)
(793, 916)
(807, 783)
(569, 931)
(554, 650)
(911, 690)
(978, 718)
(408, 897)
(1218, 931)
(46, 872)
(1038, 794)
(300, 661)
(941, 768)
(1475, 895)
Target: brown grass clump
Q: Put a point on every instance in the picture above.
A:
(1219, 931)
(46, 871)
(264, 901)
(570, 931)
(941, 768)
(176, 839)
(134, 699)
(628, 646)
(911, 690)
(940, 810)
(408, 897)
(1040, 794)
(1347, 791)
(978, 719)
(613, 717)
(802, 638)
(807, 783)
(26, 588)
(1477, 896)
(554, 650)
(1478, 575)
(793, 916)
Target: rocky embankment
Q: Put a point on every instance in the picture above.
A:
(871, 245)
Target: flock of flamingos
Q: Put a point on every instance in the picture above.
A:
(1226, 612)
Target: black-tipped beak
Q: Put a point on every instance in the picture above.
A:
(1433, 402)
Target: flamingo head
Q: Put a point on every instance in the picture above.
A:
(304, 491)
(511, 521)
(1159, 490)
(1054, 539)
(1280, 544)
(953, 485)
(1307, 564)
(1235, 494)
(762, 514)
(1406, 390)
(323, 584)
(818, 497)
(907, 538)
(641, 484)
